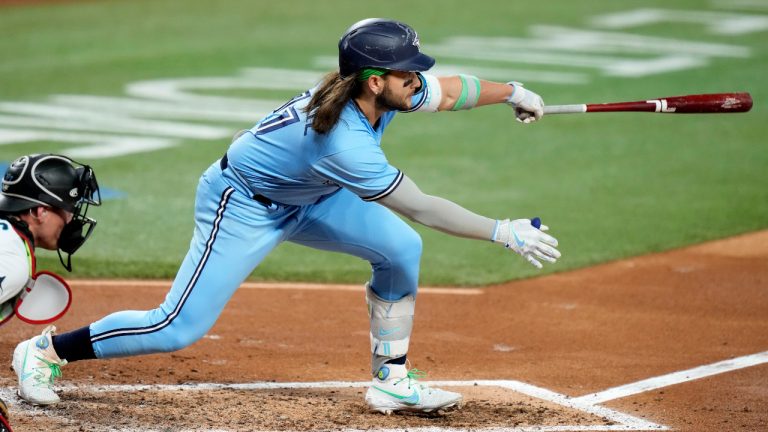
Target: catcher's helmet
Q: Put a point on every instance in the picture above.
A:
(48, 180)
(381, 43)
(56, 181)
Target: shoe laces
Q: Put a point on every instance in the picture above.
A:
(413, 376)
(51, 369)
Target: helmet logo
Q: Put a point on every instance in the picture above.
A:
(20, 161)
(16, 171)
(73, 193)
(416, 42)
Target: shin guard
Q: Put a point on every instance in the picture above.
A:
(391, 325)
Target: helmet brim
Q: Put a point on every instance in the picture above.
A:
(419, 63)
(10, 204)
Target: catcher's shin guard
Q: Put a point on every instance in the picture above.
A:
(391, 325)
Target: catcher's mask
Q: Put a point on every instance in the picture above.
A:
(57, 181)
(381, 43)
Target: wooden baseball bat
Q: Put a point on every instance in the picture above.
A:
(712, 103)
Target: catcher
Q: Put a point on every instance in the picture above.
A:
(43, 203)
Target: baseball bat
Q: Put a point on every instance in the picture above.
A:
(712, 103)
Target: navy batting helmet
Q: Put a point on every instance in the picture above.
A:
(381, 43)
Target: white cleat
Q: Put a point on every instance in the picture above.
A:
(394, 388)
(37, 365)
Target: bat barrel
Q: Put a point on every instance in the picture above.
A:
(712, 103)
(690, 104)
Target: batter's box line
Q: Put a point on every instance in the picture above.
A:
(588, 403)
(623, 422)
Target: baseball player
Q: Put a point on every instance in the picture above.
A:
(43, 203)
(313, 172)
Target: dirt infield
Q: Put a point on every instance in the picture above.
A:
(594, 349)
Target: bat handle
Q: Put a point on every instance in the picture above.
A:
(536, 222)
(565, 109)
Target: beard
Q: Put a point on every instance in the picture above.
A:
(386, 101)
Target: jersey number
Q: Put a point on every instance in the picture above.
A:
(281, 117)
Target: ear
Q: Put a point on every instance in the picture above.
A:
(376, 84)
(39, 212)
(33, 215)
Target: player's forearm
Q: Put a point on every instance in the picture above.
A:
(458, 93)
(438, 213)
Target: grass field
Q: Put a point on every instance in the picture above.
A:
(608, 185)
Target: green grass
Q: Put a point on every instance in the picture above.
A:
(609, 185)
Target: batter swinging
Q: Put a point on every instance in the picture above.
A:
(313, 172)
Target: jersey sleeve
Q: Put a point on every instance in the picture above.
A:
(364, 170)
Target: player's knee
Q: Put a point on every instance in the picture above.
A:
(182, 335)
(399, 250)
(406, 260)
(396, 271)
(406, 248)
(179, 340)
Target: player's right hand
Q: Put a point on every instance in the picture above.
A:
(525, 239)
(528, 105)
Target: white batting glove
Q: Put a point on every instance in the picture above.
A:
(528, 106)
(525, 239)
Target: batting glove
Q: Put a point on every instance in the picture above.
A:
(528, 106)
(527, 240)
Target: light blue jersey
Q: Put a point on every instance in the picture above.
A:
(285, 160)
(280, 182)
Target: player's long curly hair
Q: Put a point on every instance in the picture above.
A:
(329, 99)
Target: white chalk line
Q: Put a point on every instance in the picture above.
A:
(674, 378)
(588, 403)
(267, 286)
(623, 422)
(21, 408)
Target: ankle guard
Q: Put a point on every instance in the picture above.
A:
(391, 325)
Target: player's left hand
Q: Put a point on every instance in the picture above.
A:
(528, 105)
(527, 240)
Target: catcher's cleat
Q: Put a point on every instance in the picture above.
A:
(394, 388)
(37, 365)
